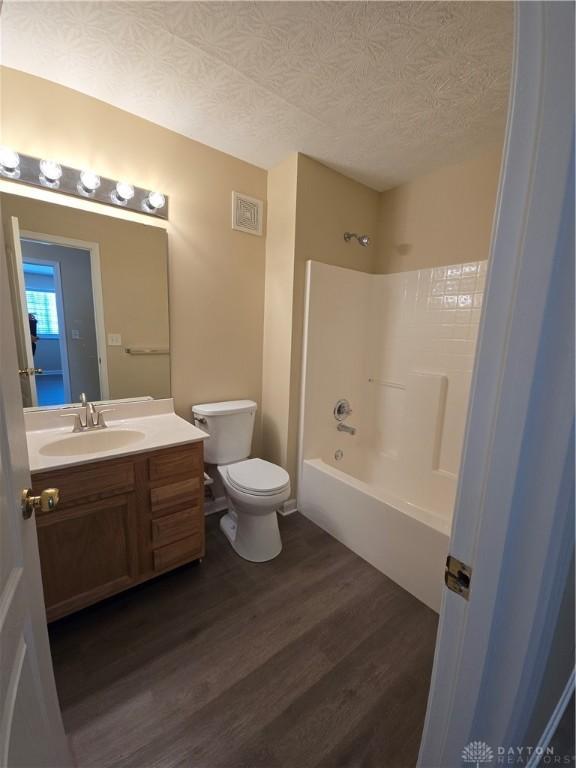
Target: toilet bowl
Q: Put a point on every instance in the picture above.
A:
(255, 489)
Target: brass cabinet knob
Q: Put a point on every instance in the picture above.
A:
(47, 500)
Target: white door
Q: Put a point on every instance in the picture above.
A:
(499, 652)
(31, 730)
(25, 361)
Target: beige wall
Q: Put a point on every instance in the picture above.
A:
(216, 275)
(134, 271)
(310, 207)
(330, 204)
(278, 309)
(439, 219)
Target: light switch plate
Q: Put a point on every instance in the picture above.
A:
(114, 340)
(75, 333)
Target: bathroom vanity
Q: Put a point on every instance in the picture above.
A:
(124, 515)
(131, 483)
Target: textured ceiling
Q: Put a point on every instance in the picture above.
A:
(382, 91)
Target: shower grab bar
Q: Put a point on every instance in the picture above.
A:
(385, 383)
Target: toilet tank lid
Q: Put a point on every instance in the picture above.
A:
(224, 409)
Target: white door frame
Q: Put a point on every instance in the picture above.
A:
(514, 510)
(62, 341)
(19, 306)
(97, 296)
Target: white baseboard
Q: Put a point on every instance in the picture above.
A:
(288, 508)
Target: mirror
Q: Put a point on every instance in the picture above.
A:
(90, 303)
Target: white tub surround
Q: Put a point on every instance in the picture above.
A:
(400, 348)
(145, 426)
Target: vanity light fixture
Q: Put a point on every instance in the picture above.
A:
(123, 193)
(89, 182)
(81, 183)
(50, 172)
(155, 201)
(9, 162)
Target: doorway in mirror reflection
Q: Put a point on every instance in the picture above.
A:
(60, 314)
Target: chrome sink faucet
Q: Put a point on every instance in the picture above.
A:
(92, 419)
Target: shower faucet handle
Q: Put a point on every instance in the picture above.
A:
(342, 409)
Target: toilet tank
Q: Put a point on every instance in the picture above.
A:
(230, 426)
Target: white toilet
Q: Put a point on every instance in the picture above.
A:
(254, 488)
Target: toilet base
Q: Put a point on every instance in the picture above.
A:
(229, 525)
(254, 537)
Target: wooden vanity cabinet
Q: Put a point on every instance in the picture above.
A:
(119, 522)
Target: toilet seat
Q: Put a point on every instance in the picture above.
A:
(257, 477)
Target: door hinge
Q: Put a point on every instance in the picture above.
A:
(457, 576)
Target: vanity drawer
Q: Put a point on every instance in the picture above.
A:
(165, 498)
(86, 483)
(170, 463)
(180, 552)
(180, 525)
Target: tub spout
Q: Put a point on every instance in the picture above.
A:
(345, 428)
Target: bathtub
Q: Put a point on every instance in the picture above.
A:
(400, 349)
(405, 542)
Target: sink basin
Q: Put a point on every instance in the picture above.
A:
(92, 442)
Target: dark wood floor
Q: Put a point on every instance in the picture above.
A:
(313, 659)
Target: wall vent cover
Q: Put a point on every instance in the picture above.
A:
(247, 213)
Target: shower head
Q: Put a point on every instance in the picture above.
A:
(364, 240)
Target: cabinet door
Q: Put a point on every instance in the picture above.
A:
(87, 552)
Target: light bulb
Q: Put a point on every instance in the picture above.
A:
(9, 160)
(155, 201)
(89, 182)
(51, 171)
(123, 192)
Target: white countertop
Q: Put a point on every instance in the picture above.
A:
(156, 419)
